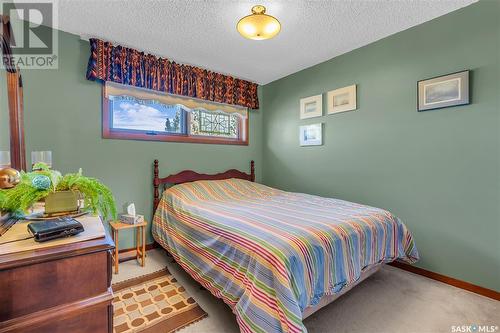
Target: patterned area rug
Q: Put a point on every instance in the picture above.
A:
(153, 303)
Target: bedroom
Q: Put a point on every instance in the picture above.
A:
(337, 112)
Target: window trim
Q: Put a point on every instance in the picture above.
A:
(110, 133)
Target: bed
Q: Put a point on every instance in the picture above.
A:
(274, 257)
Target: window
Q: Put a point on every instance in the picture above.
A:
(218, 124)
(134, 113)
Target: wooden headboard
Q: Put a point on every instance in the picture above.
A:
(187, 176)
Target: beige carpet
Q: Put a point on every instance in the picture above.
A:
(391, 301)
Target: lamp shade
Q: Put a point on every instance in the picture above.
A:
(258, 25)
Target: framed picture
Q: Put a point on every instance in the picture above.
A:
(342, 100)
(443, 91)
(311, 107)
(311, 135)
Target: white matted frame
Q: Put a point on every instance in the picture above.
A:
(443, 91)
(311, 107)
(342, 100)
(311, 135)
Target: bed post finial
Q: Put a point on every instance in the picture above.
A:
(156, 183)
(252, 170)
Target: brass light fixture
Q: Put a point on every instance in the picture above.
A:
(258, 25)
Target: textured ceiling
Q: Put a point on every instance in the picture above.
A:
(203, 33)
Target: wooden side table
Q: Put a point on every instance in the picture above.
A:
(140, 238)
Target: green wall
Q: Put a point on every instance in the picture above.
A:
(63, 114)
(437, 170)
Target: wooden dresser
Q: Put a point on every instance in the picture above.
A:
(64, 288)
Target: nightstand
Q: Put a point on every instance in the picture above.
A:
(140, 238)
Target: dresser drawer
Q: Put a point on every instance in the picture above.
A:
(32, 288)
(75, 318)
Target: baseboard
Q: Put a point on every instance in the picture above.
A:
(448, 280)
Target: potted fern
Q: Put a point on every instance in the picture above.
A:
(60, 193)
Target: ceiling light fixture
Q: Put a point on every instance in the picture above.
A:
(258, 25)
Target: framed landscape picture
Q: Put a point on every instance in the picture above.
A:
(311, 135)
(443, 91)
(342, 100)
(311, 107)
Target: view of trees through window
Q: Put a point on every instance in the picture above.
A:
(129, 113)
(150, 116)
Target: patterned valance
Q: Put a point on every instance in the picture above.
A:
(128, 66)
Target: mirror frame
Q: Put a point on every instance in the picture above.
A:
(15, 99)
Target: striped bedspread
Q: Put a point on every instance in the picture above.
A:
(269, 254)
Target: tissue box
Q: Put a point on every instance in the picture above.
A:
(131, 219)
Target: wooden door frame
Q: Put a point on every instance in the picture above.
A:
(15, 100)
